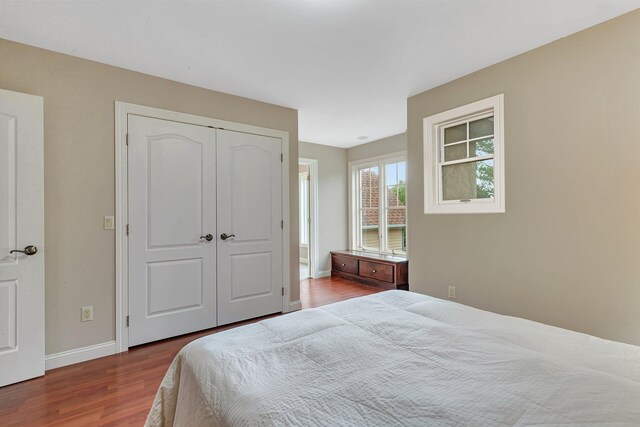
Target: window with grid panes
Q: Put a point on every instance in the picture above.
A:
(380, 192)
(464, 166)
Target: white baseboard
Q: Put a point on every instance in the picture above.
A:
(323, 273)
(295, 306)
(78, 355)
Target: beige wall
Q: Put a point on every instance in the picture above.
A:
(79, 100)
(332, 194)
(566, 251)
(389, 145)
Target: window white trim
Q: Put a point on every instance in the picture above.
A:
(432, 126)
(354, 220)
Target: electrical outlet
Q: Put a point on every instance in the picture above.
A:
(109, 222)
(86, 314)
(452, 292)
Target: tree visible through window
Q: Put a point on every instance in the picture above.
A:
(467, 159)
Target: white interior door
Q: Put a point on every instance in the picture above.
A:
(22, 228)
(250, 278)
(172, 203)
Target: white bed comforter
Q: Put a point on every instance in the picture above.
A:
(400, 358)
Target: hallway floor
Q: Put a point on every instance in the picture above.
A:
(304, 271)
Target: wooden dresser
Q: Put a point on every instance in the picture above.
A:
(384, 271)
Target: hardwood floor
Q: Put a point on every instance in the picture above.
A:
(327, 290)
(118, 390)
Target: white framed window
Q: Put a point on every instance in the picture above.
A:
(378, 204)
(464, 159)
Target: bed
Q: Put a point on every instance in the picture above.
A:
(400, 358)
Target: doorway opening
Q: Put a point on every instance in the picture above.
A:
(307, 190)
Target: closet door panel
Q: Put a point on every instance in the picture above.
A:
(249, 218)
(172, 266)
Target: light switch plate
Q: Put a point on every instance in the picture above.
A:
(86, 313)
(109, 222)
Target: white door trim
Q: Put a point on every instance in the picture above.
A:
(313, 213)
(122, 110)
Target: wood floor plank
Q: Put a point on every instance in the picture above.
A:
(118, 390)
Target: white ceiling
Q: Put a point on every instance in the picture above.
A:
(348, 66)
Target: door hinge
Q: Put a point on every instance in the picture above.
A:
(127, 321)
(127, 139)
(282, 291)
(282, 224)
(281, 157)
(127, 229)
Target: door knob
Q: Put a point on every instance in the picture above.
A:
(225, 236)
(28, 250)
(208, 237)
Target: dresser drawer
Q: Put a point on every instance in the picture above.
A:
(346, 264)
(376, 271)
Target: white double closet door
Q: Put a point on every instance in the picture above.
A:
(205, 236)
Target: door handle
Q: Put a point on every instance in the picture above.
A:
(28, 250)
(208, 237)
(225, 236)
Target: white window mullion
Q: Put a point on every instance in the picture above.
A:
(382, 205)
(360, 222)
(358, 231)
(467, 142)
(469, 160)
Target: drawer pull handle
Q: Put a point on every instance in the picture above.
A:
(344, 265)
(373, 271)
